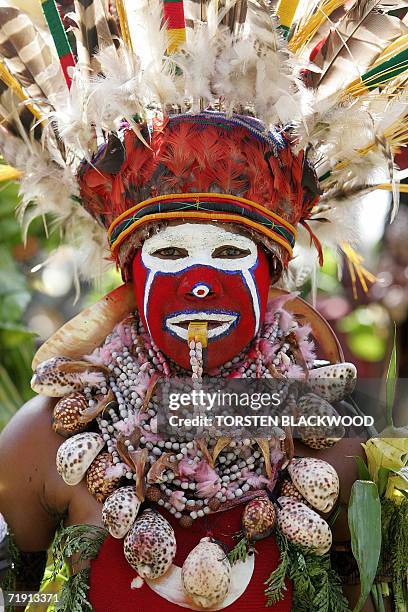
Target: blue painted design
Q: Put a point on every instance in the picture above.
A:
(195, 311)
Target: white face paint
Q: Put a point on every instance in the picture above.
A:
(223, 323)
(179, 247)
(200, 241)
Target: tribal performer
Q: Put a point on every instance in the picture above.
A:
(197, 142)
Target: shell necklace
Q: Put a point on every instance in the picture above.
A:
(108, 408)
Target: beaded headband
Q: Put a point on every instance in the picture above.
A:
(206, 207)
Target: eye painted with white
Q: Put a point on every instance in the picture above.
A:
(170, 253)
(228, 251)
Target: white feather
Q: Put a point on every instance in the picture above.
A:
(72, 118)
(159, 82)
(118, 92)
(196, 59)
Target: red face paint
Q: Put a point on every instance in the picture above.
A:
(200, 282)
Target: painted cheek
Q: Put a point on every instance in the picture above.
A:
(262, 276)
(139, 273)
(173, 294)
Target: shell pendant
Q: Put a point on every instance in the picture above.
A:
(170, 586)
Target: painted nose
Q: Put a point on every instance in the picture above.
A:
(193, 288)
(201, 290)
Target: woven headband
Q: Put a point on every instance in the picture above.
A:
(205, 207)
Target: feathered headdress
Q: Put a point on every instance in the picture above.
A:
(273, 116)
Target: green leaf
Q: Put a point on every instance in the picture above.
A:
(239, 552)
(382, 479)
(364, 518)
(84, 540)
(74, 595)
(391, 381)
(363, 472)
(376, 593)
(14, 295)
(9, 388)
(316, 586)
(276, 586)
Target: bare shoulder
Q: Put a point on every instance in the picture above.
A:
(27, 442)
(30, 422)
(33, 497)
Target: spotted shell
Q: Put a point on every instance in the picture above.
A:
(153, 494)
(150, 546)
(303, 526)
(120, 511)
(333, 382)
(47, 379)
(66, 418)
(316, 480)
(288, 489)
(59, 376)
(318, 442)
(206, 574)
(103, 477)
(258, 519)
(76, 454)
(318, 436)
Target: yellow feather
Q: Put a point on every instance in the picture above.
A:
(16, 88)
(286, 10)
(356, 269)
(124, 24)
(8, 173)
(307, 29)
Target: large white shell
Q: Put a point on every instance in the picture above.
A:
(150, 546)
(303, 526)
(120, 511)
(206, 574)
(76, 454)
(170, 586)
(316, 480)
(82, 334)
(333, 382)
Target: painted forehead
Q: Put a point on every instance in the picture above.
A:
(199, 243)
(195, 235)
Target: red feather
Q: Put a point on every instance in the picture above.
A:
(190, 157)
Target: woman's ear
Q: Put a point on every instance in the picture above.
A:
(275, 267)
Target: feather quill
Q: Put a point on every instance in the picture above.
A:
(352, 45)
(93, 32)
(338, 38)
(28, 56)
